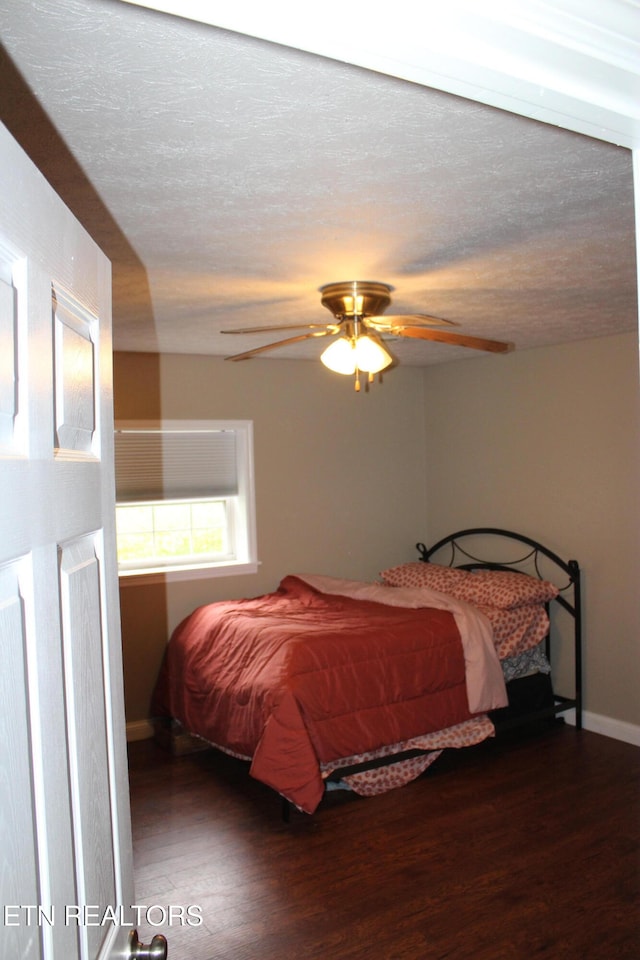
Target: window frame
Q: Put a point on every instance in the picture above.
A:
(244, 520)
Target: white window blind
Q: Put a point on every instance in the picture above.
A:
(154, 464)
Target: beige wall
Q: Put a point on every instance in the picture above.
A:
(546, 442)
(339, 478)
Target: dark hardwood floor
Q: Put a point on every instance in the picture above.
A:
(513, 850)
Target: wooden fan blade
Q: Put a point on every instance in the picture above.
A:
(456, 339)
(410, 320)
(279, 343)
(290, 326)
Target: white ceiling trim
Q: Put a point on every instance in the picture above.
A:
(570, 63)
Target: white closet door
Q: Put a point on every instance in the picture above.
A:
(65, 838)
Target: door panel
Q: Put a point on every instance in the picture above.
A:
(8, 372)
(74, 365)
(65, 839)
(82, 644)
(17, 828)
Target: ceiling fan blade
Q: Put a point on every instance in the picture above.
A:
(411, 320)
(290, 326)
(279, 343)
(456, 339)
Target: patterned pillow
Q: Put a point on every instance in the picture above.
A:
(503, 589)
(506, 589)
(419, 574)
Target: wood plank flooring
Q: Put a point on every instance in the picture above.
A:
(523, 848)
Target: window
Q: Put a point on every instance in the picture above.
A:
(185, 498)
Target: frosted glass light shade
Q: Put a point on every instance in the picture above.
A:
(371, 356)
(340, 356)
(345, 356)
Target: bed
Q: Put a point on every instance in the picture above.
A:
(328, 683)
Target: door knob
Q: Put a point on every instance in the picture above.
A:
(156, 950)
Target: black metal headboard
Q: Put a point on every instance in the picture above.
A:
(565, 574)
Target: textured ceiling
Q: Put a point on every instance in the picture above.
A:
(228, 178)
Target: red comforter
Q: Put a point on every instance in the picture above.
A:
(299, 678)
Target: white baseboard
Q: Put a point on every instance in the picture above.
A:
(139, 730)
(607, 726)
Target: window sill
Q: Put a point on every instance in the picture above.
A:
(133, 578)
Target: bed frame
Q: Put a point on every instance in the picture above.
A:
(530, 698)
(462, 549)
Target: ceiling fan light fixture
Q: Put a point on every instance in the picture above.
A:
(346, 355)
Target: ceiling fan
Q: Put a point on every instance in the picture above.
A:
(358, 308)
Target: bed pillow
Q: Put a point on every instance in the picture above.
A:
(503, 589)
(507, 590)
(419, 574)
